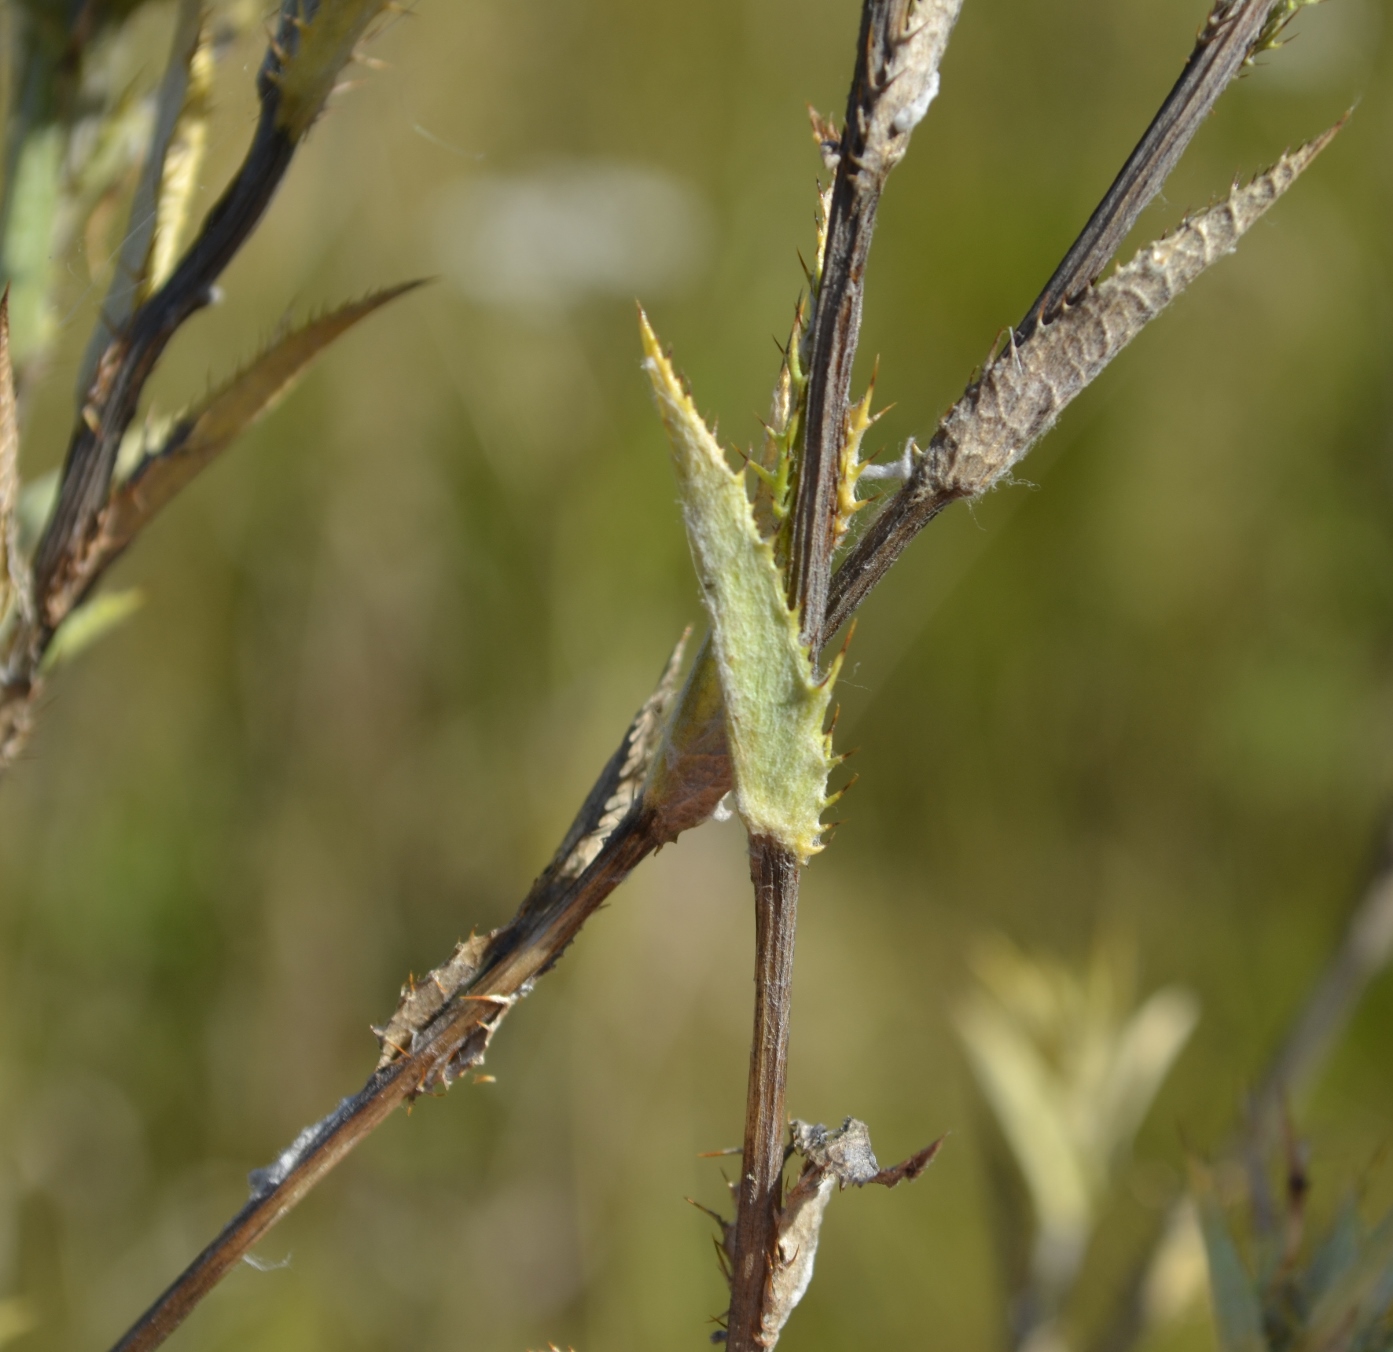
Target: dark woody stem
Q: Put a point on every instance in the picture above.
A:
(774, 871)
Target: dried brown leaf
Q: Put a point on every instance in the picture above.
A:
(422, 1000)
(622, 781)
(1025, 387)
(833, 1159)
(202, 435)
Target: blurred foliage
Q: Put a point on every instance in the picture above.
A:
(1330, 1294)
(388, 643)
(1070, 1070)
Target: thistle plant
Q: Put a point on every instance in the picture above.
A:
(786, 543)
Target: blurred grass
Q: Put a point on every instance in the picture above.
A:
(388, 643)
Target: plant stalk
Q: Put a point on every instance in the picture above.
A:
(561, 901)
(774, 870)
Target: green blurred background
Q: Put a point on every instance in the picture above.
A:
(389, 641)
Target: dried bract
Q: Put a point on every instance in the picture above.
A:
(833, 1159)
(1026, 387)
(422, 1000)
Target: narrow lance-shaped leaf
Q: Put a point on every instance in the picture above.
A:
(1025, 388)
(775, 710)
(1141, 1057)
(93, 620)
(1030, 1105)
(182, 162)
(204, 433)
(1237, 1312)
(129, 285)
(1359, 1298)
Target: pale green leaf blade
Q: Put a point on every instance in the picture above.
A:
(775, 711)
(88, 623)
(129, 284)
(1177, 1274)
(1026, 1101)
(183, 158)
(1141, 1059)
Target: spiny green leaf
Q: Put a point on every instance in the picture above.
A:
(1278, 17)
(775, 710)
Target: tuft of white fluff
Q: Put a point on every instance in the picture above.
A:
(912, 114)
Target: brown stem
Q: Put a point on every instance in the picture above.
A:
(1220, 50)
(898, 52)
(131, 356)
(452, 1044)
(774, 870)
(627, 815)
(835, 332)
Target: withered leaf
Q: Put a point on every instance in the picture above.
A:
(422, 1000)
(833, 1158)
(206, 431)
(622, 780)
